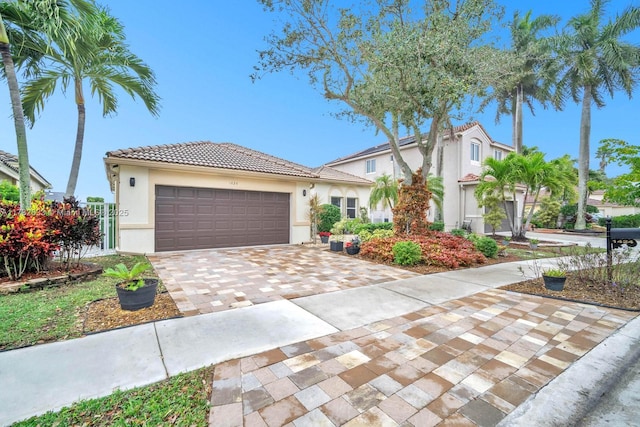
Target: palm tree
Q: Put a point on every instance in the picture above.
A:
(96, 52)
(596, 61)
(436, 187)
(384, 190)
(497, 178)
(26, 22)
(532, 75)
(18, 117)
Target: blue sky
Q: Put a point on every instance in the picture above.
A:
(203, 53)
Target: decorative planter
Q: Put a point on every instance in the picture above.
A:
(533, 245)
(140, 298)
(352, 250)
(554, 283)
(324, 239)
(336, 246)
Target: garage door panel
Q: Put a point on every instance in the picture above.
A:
(199, 218)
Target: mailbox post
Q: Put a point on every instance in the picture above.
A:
(616, 237)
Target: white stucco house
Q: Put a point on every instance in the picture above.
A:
(10, 171)
(462, 159)
(200, 195)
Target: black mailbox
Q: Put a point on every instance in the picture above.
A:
(624, 236)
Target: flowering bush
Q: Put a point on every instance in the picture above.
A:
(437, 248)
(324, 234)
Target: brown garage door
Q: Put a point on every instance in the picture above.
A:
(201, 218)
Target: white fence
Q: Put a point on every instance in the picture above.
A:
(107, 214)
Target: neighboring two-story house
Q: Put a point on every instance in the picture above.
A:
(462, 158)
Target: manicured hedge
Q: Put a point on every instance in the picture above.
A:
(623, 221)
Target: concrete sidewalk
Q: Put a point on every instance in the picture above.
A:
(47, 377)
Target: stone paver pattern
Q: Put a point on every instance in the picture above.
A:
(469, 361)
(212, 280)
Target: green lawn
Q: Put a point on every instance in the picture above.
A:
(182, 400)
(54, 313)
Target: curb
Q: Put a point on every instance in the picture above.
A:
(570, 396)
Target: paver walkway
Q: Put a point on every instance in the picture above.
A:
(469, 361)
(205, 281)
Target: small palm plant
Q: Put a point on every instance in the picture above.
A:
(131, 280)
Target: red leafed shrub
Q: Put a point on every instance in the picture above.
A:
(28, 239)
(26, 242)
(410, 213)
(438, 248)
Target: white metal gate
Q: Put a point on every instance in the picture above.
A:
(107, 214)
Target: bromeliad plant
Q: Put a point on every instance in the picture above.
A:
(130, 279)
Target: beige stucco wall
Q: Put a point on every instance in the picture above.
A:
(456, 164)
(136, 205)
(326, 190)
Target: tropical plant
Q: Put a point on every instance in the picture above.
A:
(9, 192)
(532, 72)
(497, 179)
(130, 279)
(93, 48)
(554, 272)
(494, 212)
(410, 214)
(385, 191)
(22, 25)
(596, 60)
(314, 215)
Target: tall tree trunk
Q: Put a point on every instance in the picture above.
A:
(518, 119)
(583, 157)
(18, 119)
(440, 155)
(77, 151)
(394, 143)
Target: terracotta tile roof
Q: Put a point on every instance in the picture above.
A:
(215, 155)
(407, 140)
(329, 173)
(11, 161)
(470, 177)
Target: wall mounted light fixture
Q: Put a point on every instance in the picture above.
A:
(304, 193)
(132, 182)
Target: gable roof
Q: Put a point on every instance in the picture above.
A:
(331, 174)
(214, 155)
(11, 162)
(408, 140)
(232, 157)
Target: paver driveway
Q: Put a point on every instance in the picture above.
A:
(211, 280)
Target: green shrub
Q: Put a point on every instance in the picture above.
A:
(329, 215)
(382, 233)
(406, 253)
(487, 246)
(351, 225)
(371, 227)
(437, 226)
(458, 232)
(623, 221)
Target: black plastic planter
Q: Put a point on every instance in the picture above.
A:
(336, 246)
(554, 283)
(141, 298)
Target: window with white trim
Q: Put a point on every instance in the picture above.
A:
(371, 166)
(497, 154)
(337, 201)
(352, 207)
(475, 152)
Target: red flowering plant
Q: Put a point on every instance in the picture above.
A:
(324, 234)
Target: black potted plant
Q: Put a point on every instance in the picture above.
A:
(554, 279)
(338, 234)
(324, 236)
(133, 291)
(353, 247)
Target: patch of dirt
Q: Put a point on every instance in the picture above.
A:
(576, 290)
(106, 314)
(53, 269)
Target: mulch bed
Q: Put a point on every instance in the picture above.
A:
(106, 314)
(575, 290)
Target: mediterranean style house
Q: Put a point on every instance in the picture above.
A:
(201, 195)
(462, 158)
(9, 171)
